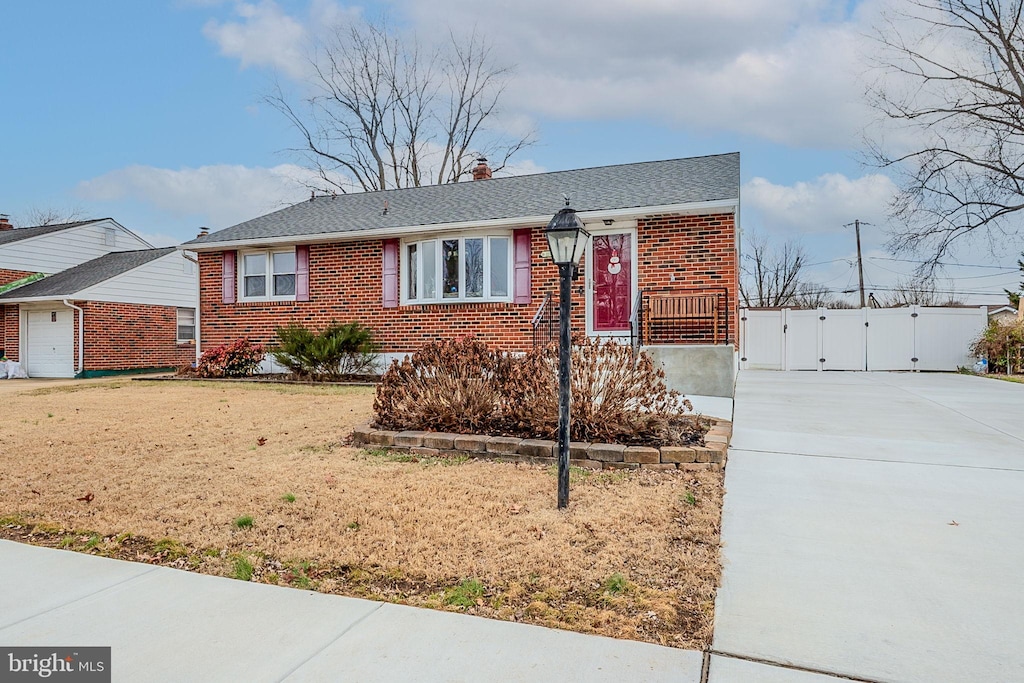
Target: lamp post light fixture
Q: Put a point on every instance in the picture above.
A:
(567, 240)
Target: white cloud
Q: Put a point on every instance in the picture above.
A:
(263, 36)
(823, 205)
(784, 70)
(219, 196)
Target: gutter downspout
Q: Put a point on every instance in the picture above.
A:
(199, 352)
(81, 334)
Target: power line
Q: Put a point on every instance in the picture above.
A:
(939, 263)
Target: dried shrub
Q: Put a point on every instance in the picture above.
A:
(462, 386)
(617, 396)
(240, 358)
(449, 385)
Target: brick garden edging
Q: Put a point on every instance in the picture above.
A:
(608, 456)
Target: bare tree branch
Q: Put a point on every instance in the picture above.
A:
(384, 113)
(771, 276)
(953, 75)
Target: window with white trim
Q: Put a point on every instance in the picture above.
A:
(267, 275)
(457, 269)
(186, 325)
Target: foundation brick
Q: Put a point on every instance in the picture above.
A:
(587, 464)
(381, 438)
(538, 448)
(641, 454)
(471, 442)
(439, 440)
(503, 445)
(678, 454)
(410, 438)
(606, 452)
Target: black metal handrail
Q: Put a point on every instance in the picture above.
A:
(545, 323)
(636, 319)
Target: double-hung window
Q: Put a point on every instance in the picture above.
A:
(452, 269)
(186, 325)
(268, 275)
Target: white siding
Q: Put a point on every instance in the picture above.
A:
(57, 251)
(171, 280)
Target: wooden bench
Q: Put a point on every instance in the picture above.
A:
(665, 309)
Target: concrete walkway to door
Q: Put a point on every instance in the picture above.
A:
(873, 529)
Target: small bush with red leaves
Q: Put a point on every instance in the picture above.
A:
(240, 358)
(463, 386)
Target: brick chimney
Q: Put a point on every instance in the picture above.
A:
(481, 171)
(5, 222)
(203, 232)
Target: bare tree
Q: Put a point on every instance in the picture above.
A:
(813, 295)
(919, 291)
(771, 276)
(51, 215)
(384, 112)
(953, 77)
(1014, 297)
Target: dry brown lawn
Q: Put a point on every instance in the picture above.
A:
(168, 469)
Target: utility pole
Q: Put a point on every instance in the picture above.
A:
(860, 260)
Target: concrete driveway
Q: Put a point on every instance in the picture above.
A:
(873, 529)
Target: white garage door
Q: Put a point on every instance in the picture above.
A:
(50, 343)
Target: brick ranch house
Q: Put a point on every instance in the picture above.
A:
(91, 298)
(424, 263)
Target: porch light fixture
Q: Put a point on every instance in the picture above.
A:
(567, 240)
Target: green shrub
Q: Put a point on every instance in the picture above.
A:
(1003, 345)
(240, 358)
(336, 351)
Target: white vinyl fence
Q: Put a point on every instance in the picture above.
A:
(911, 338)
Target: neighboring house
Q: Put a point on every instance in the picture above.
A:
(46, 249)
(1004, 314)
(424, 263)
(107, 307)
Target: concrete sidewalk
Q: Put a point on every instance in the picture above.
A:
(873, 529)
(170, 625)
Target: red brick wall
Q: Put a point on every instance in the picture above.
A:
(124, 336)
(346, 285)
(9, 330)
(699, 251)
(7, 276)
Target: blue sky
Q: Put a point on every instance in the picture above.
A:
(151, 113)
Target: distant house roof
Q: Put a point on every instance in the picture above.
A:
(694, 180)
(999, 308)
(73, 280)
(18, 234)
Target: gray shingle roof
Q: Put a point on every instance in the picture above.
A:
(17, 234)
(73, 280)
(604, 188)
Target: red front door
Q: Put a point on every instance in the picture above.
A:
(613, 279)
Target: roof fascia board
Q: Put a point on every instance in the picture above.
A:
(34, 299)
(722, 206)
